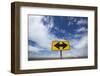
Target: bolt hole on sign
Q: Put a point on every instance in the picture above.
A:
(47, 34)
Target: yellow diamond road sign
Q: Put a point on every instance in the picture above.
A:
(60, 45)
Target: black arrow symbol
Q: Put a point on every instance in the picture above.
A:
(58, 45)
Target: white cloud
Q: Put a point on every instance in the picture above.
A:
(40, 33)
(79, 47)
(50, 21)
(82, 29)
(35, 49)
(81, 43)
(70, 23)
(81, 21)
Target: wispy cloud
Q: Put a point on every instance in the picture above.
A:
(70, 23)
(34, 48)
(82, 29)
(82, 21)
(48, 22)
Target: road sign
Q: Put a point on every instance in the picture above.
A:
(60, 45)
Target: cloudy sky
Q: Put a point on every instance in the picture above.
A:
(45, 29)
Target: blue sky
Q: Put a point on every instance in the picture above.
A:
(44, 29)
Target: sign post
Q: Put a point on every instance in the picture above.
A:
(61, 54)
(60, 46)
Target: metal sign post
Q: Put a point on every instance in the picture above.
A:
(61, 54)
